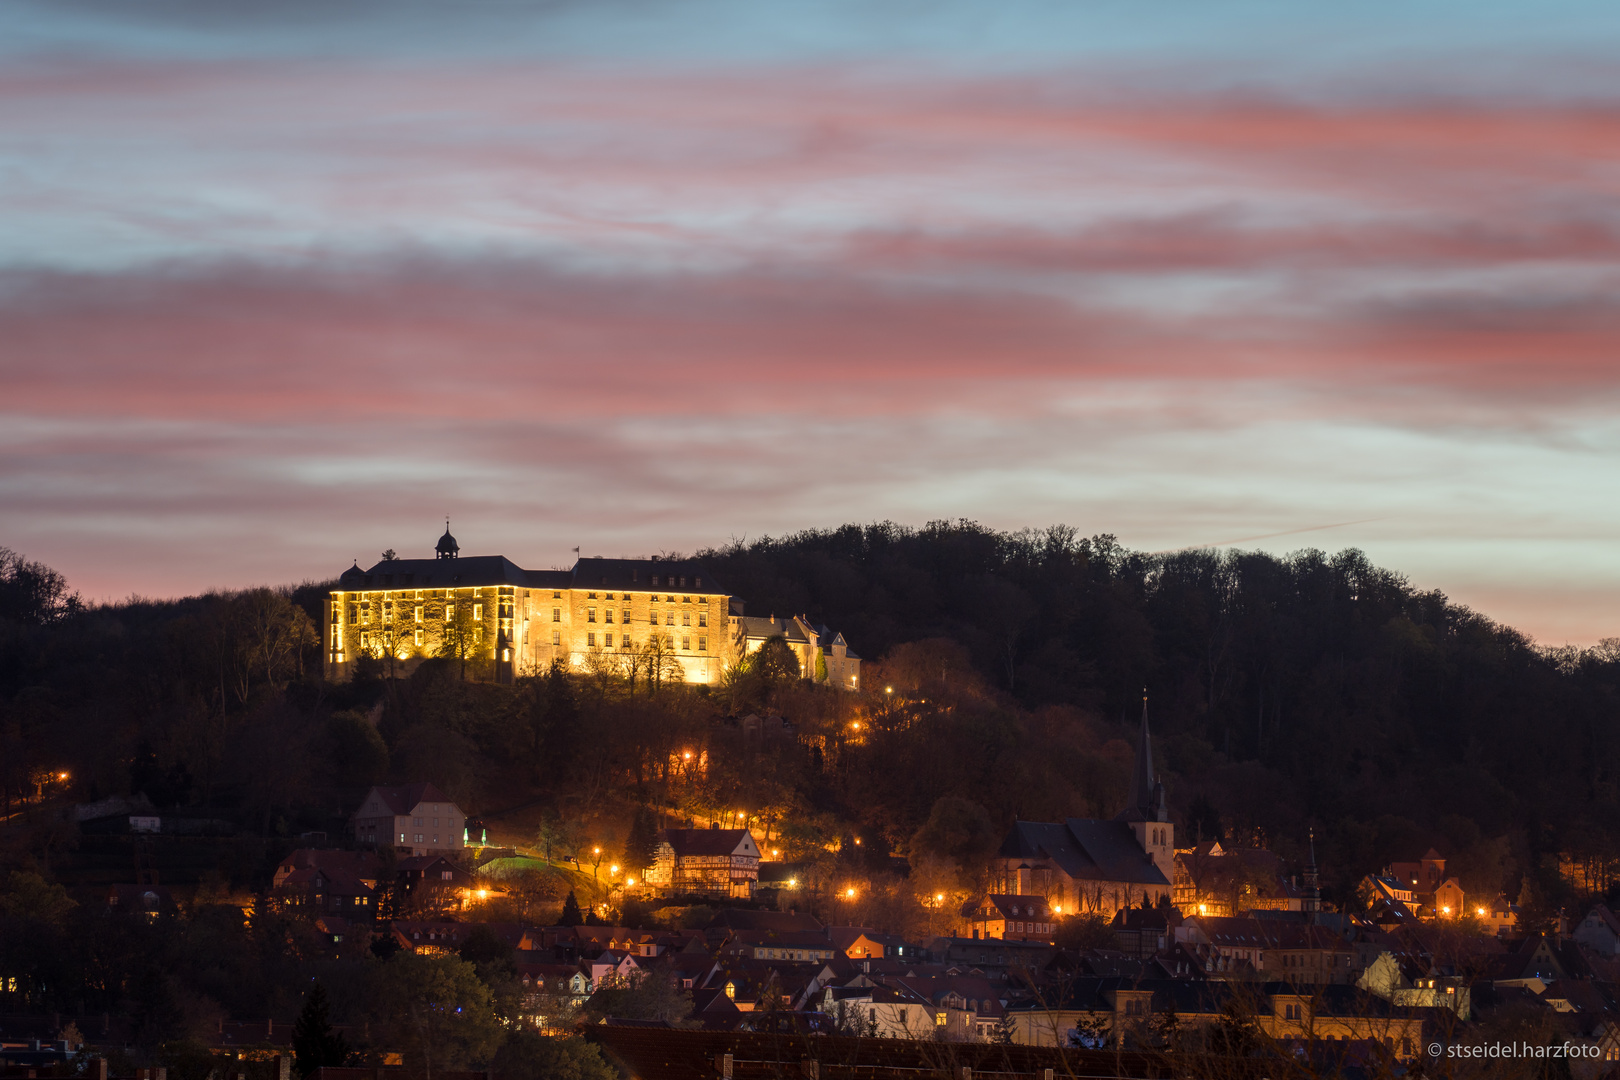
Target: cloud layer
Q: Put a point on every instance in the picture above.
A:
(260, 317)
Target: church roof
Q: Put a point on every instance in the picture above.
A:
(1085, 849)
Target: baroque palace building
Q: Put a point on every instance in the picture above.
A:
(490, 610)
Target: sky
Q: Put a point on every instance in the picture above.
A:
(284, 285)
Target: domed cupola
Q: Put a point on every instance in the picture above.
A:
(352, 578)
(448, 548)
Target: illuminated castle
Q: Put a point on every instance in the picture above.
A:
(488, 610)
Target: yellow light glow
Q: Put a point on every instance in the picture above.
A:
(596, 851)
(1480, 910)
(888, 689)
(793, 883)
(1445, 911)
(483, 894)
(855, 725)
(849, 894)
(629, 881)
(939, 898)
(775, 852)
(857, 841)
(1057, 909)
(1202, 909)
(614, 869)
(742, 813)
(62, 776)
(687, 755)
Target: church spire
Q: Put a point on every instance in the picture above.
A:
(1312, 900)
(1147, 801)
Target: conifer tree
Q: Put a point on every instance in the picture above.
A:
(314, 1042)
(641, 845)
(570, 913)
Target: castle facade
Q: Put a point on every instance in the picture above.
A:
(614, 612)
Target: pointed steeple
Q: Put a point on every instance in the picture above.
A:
(1312, 900)
(1142, 772)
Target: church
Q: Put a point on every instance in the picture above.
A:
(1083, 865)
(488, 610)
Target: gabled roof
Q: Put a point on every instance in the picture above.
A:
(402, 799)
(471, 572)
(1085, 849)
(754, 627)
(686, 842)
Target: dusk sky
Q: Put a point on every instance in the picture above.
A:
(283, 285)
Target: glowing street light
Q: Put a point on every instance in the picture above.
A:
(849, 894)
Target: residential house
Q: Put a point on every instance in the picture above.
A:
(718, 862)
(414, 819)
(1120, 1011)
(823, 654)
(1214, 880)
(1599, 931)
(1011, 917)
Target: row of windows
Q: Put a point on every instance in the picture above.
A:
(361, 613)
(624, 617)
(624, 641)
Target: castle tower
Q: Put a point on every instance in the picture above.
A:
(1147, 812)
(447, 547)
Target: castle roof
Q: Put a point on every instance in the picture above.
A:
(475, 571)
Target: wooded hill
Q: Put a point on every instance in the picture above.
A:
(1284, 692)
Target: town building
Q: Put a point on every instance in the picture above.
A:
(413, 819)
(719, 862)
(1084, 865)
(1020, 918)
(506, 621)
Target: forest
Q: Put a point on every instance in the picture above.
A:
(1006, 677)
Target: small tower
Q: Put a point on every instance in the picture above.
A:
(448, 548)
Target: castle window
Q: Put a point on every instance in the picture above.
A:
(607, 615)
(624, 616)
(418, 612)
(590, 596)
(669, 599)
(607, 640)
(669, 620)
(590, 614)
(590, 640)
(686, 599)
(478, 613)
(703, 618)
(418, 635)
(697, 583)
(686, 618)
(354, 614)
(556, 595)
(449, 612)
(703, 644)
(683, 582)
(556, 637)
(655, 595)
(556, 614)
(686, 643)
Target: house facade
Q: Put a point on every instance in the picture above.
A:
(488, 611)
(720, 862)
(413, 819)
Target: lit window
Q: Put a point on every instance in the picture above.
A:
(418, 612)
(365, 613)
(478, 612)
(590, 614)
(402, 838)
(655, 595)
(556, 614)
(418, 635)
(449, 612)
(939, 1019)
(556, 637)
